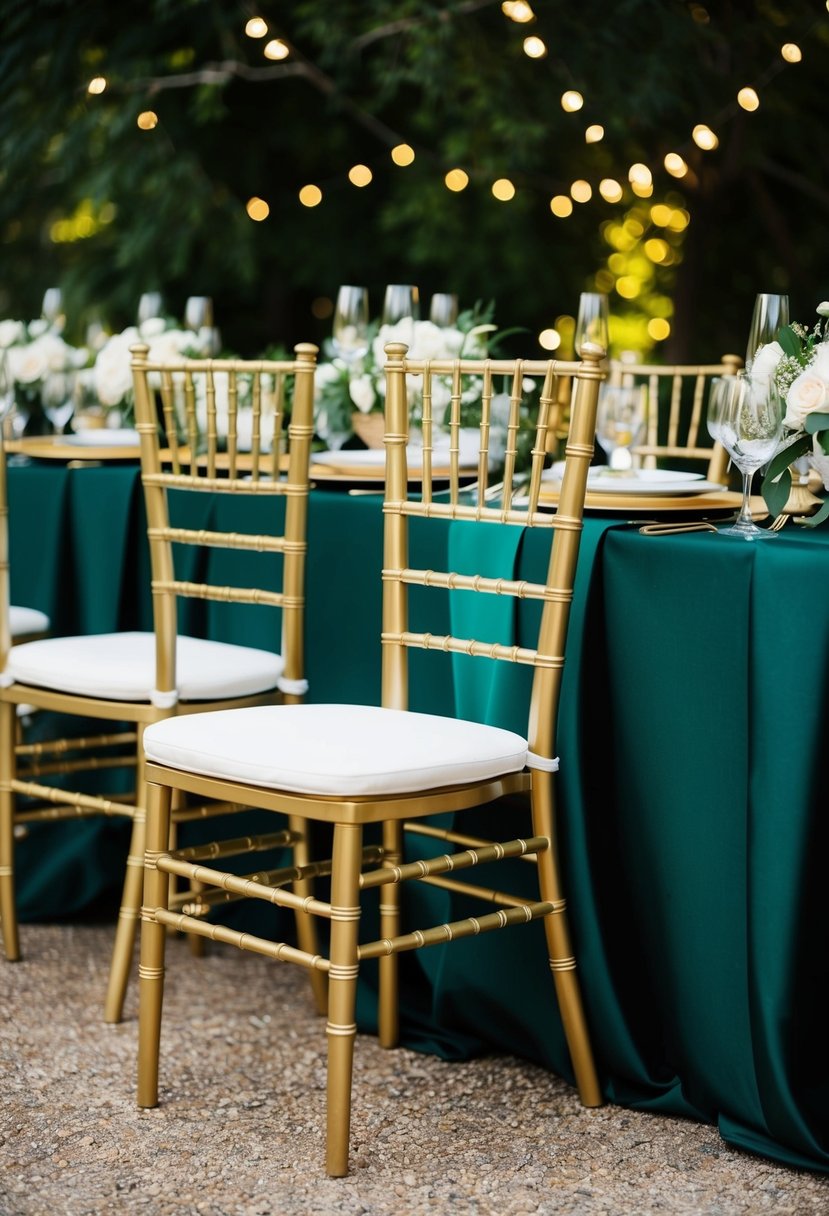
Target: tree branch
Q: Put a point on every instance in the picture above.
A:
(407, 23)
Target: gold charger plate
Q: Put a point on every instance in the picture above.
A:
(711, 505)
(53, 447)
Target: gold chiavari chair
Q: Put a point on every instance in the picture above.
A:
(677, 401)
(140, 678)
(356, 767)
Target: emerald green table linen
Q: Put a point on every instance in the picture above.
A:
(692, 739)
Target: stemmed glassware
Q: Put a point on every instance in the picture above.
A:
(350, 332)
(593, 323)
(771, 312)
(401, 301)
(443, 309)
(198, 313)
(620, 423)
(150, 305)
(747, 419)
(52, 308)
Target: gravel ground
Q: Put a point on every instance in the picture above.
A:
(239, 1131)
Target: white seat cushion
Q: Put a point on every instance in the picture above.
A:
(25, 621)
(121, 667)
(350, 750)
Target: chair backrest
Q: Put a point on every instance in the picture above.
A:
(218, 426)
(524, 409)
(677, 399)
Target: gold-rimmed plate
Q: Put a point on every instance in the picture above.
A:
(713, 505)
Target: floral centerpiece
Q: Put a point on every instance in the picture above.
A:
(797, 364)
(111, 374)
(346, 396)
(42, 365)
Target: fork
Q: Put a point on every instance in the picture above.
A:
(780, 522)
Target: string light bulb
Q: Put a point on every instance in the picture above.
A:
(96, 85)
(257, 209)
(561, 206)
(571, 101)
(276, 49)
(640, 175)
(147, 120)
(310, 196)
(610, 190)
(402, 154)
(704, 137)
(675, 165)
(360, 175)
(549, 339)
(748, 99)
(456, 180)
(503, 189)
(581, 191)
(791, 52)
(535, 47)
(256, 28)
(518, 11)
(594, 133)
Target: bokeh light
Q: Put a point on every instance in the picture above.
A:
(257, 208)
(456, 180)
(561, 206)
(310, 196)
(402, 154)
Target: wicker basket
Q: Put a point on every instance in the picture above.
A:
(369, 427)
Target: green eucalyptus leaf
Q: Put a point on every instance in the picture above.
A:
(789, 340)
(816, 422)
(775, 493)
(823, 440)
(812, 521)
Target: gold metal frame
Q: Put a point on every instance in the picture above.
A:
(683, 435)
(163, 467)
(355, 869)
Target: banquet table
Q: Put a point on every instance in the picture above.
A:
(692, 735)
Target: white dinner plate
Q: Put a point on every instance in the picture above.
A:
(375, 458)
(103, 437)
(601, 480)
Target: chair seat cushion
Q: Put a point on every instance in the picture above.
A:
(348, 750)
(121, 667)
(24, 621)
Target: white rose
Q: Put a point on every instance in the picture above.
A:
(765, 362)
(11, 332)
(823, 308)
(112, 375)
(808, 394)
(55, 351)
(361, 392)
(37, 328)
(820, 362)
(402, 331)
(152, 327)
(427, 341)
(27, 364)
(327, 373)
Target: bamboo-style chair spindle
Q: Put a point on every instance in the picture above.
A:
(355, 766)
(677, 398)
(189, 442)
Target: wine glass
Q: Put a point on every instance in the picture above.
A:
(443, 309)
(621, 420)
(59, 401)
(350, 333)
(771, 312)
(748, 420)
(150, 305)
(593, 323)
(198, 313)
(52, 308)
(401, 301)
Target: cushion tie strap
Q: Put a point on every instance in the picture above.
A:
(294, 688)
(545, 764)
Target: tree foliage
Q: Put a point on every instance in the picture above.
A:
(108, 210)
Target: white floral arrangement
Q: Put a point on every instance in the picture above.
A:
(41, 363)
(341, 391)
(797, 364)
(111, 377)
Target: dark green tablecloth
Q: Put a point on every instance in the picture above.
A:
(692, 733)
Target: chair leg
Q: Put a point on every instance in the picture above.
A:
(153, 943)
(8, 912)
(130, 910)
(562, 962)
(342, 990)
(388, 1012)
(306, 925)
